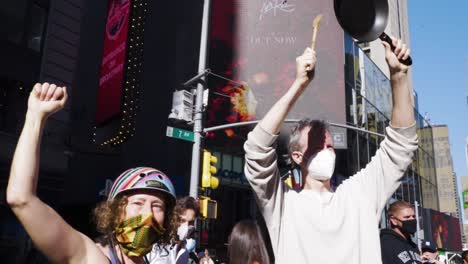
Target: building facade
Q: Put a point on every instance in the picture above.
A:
(38, 42)
(62, 42)
(367, 106)
(466, 152)
(464, 207)
(446, 180)
(67, 48)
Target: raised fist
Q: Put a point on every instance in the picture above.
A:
(305, 66)
(46, 99)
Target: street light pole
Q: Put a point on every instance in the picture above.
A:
(198, 117)
(418, 224)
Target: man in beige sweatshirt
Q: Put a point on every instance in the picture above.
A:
(315, 225)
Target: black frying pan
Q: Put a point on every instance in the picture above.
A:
(365, 20)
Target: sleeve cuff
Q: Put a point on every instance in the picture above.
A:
(262, 137)
(408, 132)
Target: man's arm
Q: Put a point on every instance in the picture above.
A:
(49, 232)
(261, 169)
(260, 154)
(402, 112)
(381, 177)
(305, 67)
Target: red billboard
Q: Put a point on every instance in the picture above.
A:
(255, 43)
(443, 230)
(113, 60)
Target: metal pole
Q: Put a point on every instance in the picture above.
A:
(196, 78)
(198, 118)
(246, 123)
(418, 226)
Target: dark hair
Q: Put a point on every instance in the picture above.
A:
(183, 204)
(465, 255)
(428, 249)
(318, 129)
(246, 244)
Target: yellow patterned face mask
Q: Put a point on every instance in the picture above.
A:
(137, 235)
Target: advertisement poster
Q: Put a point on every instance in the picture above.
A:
(255, 43)
(113, 61)
(442, 229)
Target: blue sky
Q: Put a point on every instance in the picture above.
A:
(439, 43)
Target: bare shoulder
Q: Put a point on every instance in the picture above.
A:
(104, 248)
(95, 252)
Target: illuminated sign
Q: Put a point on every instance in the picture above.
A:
(113, 61)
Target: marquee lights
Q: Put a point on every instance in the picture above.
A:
(131, 86)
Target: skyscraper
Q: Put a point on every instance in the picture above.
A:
(397, 27)
(446, 180)
(466, 152)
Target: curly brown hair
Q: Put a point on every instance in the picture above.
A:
(182, 204)
(107, 216)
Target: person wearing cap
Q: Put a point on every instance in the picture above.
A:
(133, 218)
(395, 242)
(429, 253)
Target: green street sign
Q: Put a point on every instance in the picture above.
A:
(179, 133)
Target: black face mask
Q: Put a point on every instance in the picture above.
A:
(409, 227)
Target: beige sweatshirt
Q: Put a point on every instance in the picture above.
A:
(324, 227)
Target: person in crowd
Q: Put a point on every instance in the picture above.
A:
(206, 259)
(395, 242)
(134, 217)
(246, 244)
(465, 257)
(312, 224)
(429, 253)
(186, 212)
(183, 243)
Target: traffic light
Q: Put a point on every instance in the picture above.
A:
(208, 208)
(208, 180)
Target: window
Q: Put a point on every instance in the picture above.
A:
(23, 23)
(36, 28)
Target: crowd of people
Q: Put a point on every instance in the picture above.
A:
(142, 221)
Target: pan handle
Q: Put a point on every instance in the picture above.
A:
(386, 38)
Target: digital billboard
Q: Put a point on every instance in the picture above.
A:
(442, 229)
(254, 43)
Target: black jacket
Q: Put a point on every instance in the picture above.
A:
(398, 250)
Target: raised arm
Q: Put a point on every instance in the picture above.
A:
(305, 68)
(260, 154)
(261, 169)
(402, 113)
(49, 232)
(381, 177)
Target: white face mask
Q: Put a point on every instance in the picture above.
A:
(322, 165)
(182, 231)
